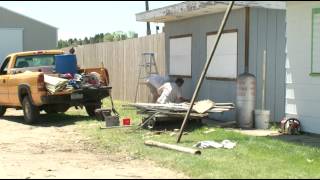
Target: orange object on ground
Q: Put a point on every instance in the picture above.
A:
(126, 121)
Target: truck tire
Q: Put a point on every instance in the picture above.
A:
(2, 110)
(30, 111)
(91, 109)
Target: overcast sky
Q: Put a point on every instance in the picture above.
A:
(87, 18)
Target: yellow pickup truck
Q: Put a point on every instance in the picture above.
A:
(22, 86)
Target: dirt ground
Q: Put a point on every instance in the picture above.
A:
(61, 152)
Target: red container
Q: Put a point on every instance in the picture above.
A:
(126, 121)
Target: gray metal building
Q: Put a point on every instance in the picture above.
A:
(21, 33)
(254, 27)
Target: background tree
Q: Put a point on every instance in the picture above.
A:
(98, 38)
(132, 34)
(108, 37)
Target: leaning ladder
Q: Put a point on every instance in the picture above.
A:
(147, 66)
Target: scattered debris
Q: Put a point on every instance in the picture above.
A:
(176, 130)
(310, 160)
(158, 132)
(114, 127)
(203, 106)
(176, 111)
(212, 144)
(291, 126)
(183, 107)
(68, 82)
(172, 147)
(175, 133)
(209, 131)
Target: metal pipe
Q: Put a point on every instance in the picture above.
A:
(205, 69)
(247, 39)
(172, 147)
(263, 99)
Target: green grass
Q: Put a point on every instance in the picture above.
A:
(253, 157)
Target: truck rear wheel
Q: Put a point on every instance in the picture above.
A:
(2, 110)
(30, 111)
(91, 109)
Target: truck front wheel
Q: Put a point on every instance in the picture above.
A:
(2, 110)
(91, 109)
(30, 111)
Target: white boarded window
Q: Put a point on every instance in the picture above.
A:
(315, 64)
(180, 56)
(224, 64)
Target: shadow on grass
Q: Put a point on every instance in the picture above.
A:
(176, 124)
(45, 120)
(311, 140)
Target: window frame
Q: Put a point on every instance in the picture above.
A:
(20, 57)
(314, 12)
(177, 37)
(223, 32)
(6, 62)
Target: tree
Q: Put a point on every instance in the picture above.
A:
(119, 35)
(92, 40)
(75, 41)
(108, 37)
(86, 40)
(70, 42)
(101, 36)
(132, 34)
(60, 44)
(97, 38)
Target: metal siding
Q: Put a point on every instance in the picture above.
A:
(253, 43)
(266, 32)
(35, 35)
(219, 91)
(271, 62)
(280, 66)
(11, 41)
(262, 45)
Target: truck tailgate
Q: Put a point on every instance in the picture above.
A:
(78, 97)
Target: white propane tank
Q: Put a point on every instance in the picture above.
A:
(246, 100)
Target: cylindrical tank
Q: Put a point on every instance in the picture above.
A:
(246, 100)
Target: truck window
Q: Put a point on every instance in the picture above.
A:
(4, 66)
(34, 61)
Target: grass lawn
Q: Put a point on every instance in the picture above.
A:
(253, 157)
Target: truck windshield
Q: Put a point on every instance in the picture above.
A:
(34, 61)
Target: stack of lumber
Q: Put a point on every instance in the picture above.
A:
(201, 107)
(55, 84)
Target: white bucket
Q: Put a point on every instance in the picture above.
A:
(262, 119)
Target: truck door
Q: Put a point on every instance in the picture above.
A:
(4, 93)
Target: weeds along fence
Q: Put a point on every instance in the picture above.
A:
(122, 60)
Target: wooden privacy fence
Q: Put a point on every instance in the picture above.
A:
(122, 60)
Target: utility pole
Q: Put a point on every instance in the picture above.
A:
(148, 23)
